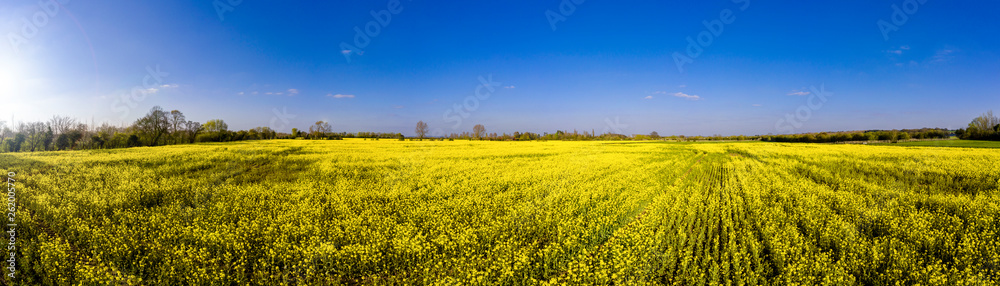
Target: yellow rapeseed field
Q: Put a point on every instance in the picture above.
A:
(294, 212)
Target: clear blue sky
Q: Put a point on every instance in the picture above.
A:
(605, 61)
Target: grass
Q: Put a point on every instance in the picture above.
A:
(949, 143)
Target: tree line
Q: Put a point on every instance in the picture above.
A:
(156, 128)
(159, 127)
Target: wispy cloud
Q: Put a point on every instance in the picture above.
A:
(943, 56)
(172, 85)
(900, 50)
(648, 97)
(686, 96)
(293, 92)
(799, 92)
(340, 95)
(509, 87)
(682, 86)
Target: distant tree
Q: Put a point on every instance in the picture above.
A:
(62, 141)
(192, 129)
(654, 135)
(478, 131)
(177, 125)
(153, 126)
(320, 129)
(421, 129)
(985, 122)
(133, 140)
(61, 124)
(215, 126)
(295, 132)
(47, 138)
(97, 141)
(982, 128)
(19, 139)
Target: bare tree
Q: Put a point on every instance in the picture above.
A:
(61, 124)
(479, 131)
(4, 131)
(177, 122)
(421, 129)
(192, 129)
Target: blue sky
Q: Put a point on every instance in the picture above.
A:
(607, 66)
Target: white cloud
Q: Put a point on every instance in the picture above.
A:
(686, 96)
(797, 92)
(900, 50)
(345, 51)
(648, 97)
(241, 93)
(269, 93)
(682, 86)
(173, 85)
(292, 92)
(942, 56)
(509, 87)
(340, 95)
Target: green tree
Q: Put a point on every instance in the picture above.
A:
(215, 126)
(153, 126)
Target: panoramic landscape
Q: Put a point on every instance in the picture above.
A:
(563, 142)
